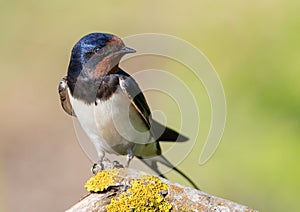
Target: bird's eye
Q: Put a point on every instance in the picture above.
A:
(97, 49)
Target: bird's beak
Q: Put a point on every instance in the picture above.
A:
(126, 50)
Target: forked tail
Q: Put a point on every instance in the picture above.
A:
(152, 163)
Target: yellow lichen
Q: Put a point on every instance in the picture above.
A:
(145, 194)
(101, 181)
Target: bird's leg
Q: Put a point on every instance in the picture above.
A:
(129, 156)
(98, 166)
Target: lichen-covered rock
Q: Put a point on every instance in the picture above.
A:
(145, 194)
(142, 193)
(102, 180)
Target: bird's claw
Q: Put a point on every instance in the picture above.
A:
(105, 164)
(117, 165)
(97, 167)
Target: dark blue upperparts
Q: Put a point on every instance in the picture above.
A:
(82, 51)
(88, 42)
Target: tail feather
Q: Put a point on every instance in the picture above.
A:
(152, 163)
(163, 133)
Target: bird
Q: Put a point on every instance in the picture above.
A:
(110, 106)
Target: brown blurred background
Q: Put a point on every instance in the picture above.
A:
(253, 45)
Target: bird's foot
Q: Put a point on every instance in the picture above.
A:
(105, 164)
(97, 167)
(117, 165)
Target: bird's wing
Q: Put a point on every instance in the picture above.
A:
(163, 133)
(64, 96)
(134, 93)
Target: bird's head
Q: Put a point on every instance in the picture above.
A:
(96, 55)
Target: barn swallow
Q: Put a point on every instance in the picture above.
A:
(109, 104)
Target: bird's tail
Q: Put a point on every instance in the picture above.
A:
(152, 163)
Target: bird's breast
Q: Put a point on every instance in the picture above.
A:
(113, 125)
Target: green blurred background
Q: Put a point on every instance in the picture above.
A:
(253, 45)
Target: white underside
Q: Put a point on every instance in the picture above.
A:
(114, 125)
